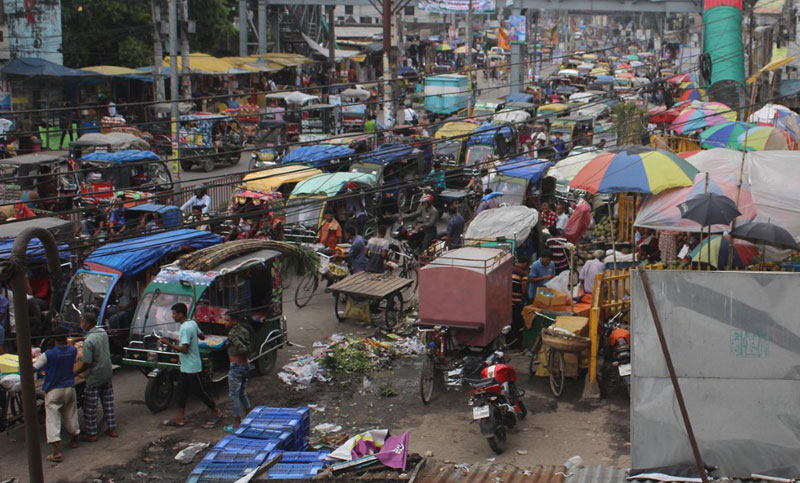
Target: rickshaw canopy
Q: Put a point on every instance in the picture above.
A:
(331, 184)
(170, 214)
(519, 97)
(96, 140)
(485, 133)
(317, 155)
(269, 180)
(526, 168)
(133, 255)
(455, 129)
(35, 251)
(295, 97)
(514, 116)
(552, 109)
(387, 153)
(359, 94)
(121, 157)
(510, 222)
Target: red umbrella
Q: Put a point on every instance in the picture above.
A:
(679, 79)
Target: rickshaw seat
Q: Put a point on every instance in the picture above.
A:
(100, 190)
(206, 313)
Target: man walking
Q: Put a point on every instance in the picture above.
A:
(238, 349)
(191, 365)
(60, 402)
(97, 365)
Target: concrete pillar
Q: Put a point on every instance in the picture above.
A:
(516, 59)
(243, 28)
(262, 26)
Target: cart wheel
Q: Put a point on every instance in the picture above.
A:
(186, 165)
(305, 289)
(427, 379)
(556, 366)
(207, 164)
(266, 363)
(402, 199)
(339, 305)
(410, 272)
(534, 363)
(158, 393)
(393, 309)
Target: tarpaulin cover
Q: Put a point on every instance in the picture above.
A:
(387, 153)
(734, 339)
(511, 222)
(317, 155)
(124, 156)
(32, 67)
(521, 167)
(35, 250)
(331, 184)
(132, 256)
(486, 132)
(170, 214)
(723, 42)
(519, 97)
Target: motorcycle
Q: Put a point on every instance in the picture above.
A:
(618, 351)
(496, 400)
(409, 236)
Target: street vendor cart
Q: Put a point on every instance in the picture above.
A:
(464, 303)
(383, 289)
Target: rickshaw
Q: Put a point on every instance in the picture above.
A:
(512, 116)
(248, 117)
(270, 140)
(148, 217)
(354, 109)
(281, 179)
(142, 173)
(575, 130)
(464, 304)
(109, 142)
(263, 213)
(116, 273)
(207, 140)
(516, 177)
(319, 122)
(552, 110)
(406, 164)
(292, 102)
(50, 176)
(360, 143)
(315, 196)
(484, 109)
(489, 140)
(327, 157)
(506, 226)
(452, 148)
(241, 278)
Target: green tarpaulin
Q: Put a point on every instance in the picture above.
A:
(723, 42)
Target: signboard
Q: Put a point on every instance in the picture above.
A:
(5, 95)
(34, 29)
(516, 29)
(449, 6)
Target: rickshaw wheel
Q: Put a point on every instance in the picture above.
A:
(393, 309)
(427, 380)
(305, 289)
(339, 306)
(158, 393)
(186, 165)
(534, 363)
(410, 272)
(207, 164)
(266, 364)
(402, 199)
(556, 367)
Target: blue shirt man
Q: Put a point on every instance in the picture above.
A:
(541, 271)
(357, 256)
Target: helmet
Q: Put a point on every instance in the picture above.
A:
(200, 190)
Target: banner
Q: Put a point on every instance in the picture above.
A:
(449, 6)
(516, 29)
(502, 39)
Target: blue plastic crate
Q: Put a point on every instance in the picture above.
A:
(294, 470)
(213, 471)
(285, 439)
(301, 456)
(303, 412)
(218, 455)
(235, 444)
(290, 423)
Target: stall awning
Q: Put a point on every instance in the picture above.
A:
(339, 54)
(360, 32)
(118, 71)
(32, 67)
(253, 64)
(285, 60)
(200, 63)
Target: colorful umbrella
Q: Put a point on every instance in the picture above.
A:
(743, 252)
(660, 114)
(767, 114)
(694, 119)
(693, 95)
(678, 78)
(635, 169)
(687, 85)
(444, 48)
(764, 138)
(636, 63)
(725, 135)
(622, 66)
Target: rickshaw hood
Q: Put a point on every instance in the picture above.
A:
(269, 180)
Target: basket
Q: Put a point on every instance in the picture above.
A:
(564, 342)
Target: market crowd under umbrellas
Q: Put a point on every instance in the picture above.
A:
(473, 242)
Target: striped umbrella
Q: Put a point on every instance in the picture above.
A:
(765, 138)
(693, 95)
(743, 252)
(725, 135)
(696, 118)
(636, 169)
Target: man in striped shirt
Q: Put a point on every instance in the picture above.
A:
(560, 248)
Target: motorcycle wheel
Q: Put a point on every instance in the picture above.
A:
(305, 290)
(427, 380)
(523, 411)
(498, 441)
(158, 393)
(556, 367)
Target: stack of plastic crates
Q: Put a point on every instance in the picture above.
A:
(232, 458)
(297, 464)
(271, 423)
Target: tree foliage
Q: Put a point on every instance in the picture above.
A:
(630, 123)
(119, 32)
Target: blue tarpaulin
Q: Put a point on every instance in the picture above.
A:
(131, 256)
(526, 168)
(170, 214)
(519, 97)
(486, 132)
(387, 153)
(32, 67)
(317, 156)
(35, 250)
(124, 156)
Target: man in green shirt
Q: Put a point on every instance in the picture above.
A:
(97, 365)
(238, 350)
(191, 364)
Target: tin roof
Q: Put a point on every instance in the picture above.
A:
(440, 472)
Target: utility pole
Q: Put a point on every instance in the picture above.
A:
(262, 26)
(388, 116)
(173, 81)
(243, 28)
(468, 44)
(186, 78)
(331, 43)
(158, 54)
(516, 60)
(536, 53)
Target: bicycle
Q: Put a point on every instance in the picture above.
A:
(560, 341)
(404, 261)
(309, 283)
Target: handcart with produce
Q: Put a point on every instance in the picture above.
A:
(556, 342)
(464, 304)
(375, 292)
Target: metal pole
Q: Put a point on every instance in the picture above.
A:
(262, 26)
(14, 270)
(516, 60)
(158, 54)
(243, 28)
(698, 459)
(174, 95)
(388, 116)
(186, 78)
(468, 46)
(331, 42)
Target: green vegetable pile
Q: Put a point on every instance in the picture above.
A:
(352, 356)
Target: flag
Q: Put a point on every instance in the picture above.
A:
(554, 34)
(502, 39)
(394, 452)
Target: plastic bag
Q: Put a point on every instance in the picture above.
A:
(187, 454)
(560, 282)
(357, 310)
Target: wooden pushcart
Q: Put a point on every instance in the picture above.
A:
(383, 290)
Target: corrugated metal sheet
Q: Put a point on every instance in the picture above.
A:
(597, 474)
(438, 472)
